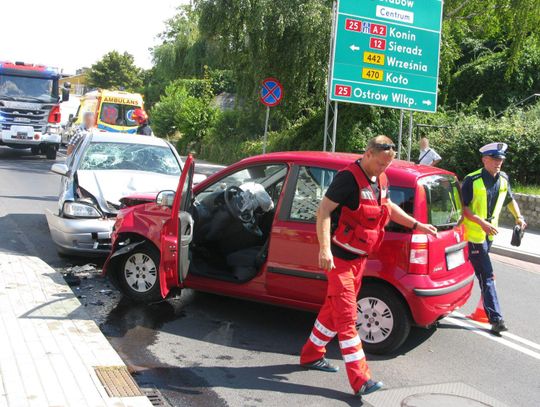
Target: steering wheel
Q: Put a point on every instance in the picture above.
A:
(233, 205)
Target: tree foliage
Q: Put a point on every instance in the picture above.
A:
(490, 58)
(115, 71)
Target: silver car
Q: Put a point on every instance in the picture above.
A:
(104, 169)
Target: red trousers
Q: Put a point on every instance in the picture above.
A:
(338, 316)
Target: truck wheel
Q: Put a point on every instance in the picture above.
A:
(50, 153)
(35, 150)
(383, 320)
(138, 274)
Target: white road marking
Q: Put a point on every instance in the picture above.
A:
(508, 335)
(457, 320)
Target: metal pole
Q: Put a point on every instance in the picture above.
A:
(334, 130)
(329, 78)
(400, 133)
(266, 128)
(410, 136)
(326, 116)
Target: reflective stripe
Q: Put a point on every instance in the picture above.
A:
(348, 246)
(324, 330)
(316, 340)
(349, 342)
(366, 194)
(353, 357)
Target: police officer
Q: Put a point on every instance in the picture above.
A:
(485, 192)
(140, 116)
(350, 225)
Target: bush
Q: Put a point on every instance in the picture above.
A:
(459, 144)
(235, 137)
(185, 109)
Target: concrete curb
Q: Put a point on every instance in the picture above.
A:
(516, 254)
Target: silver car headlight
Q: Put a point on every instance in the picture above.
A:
(52, 130)
(80, 210)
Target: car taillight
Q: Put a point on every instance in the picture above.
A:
(54, 115)
(419, 255)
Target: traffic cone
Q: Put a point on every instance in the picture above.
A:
(479, 314)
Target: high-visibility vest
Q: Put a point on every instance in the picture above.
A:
(361, 231)
(479, 206)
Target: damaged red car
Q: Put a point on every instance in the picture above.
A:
(248, 231)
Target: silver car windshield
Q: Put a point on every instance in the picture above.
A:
(133, 157)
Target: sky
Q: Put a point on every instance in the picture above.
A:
(71, 34)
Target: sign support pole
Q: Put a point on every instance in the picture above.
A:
(266, 128)
(327, 119)
(410, 136)
(400, 134)
(334, 129)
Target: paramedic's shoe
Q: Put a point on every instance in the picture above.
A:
(369, 387)
(322, 364)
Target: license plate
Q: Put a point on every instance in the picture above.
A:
(455, 259)
(21, 136)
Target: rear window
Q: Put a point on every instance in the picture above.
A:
(404, 198)
(443, 200)
(117, 114)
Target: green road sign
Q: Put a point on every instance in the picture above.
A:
(386, 53)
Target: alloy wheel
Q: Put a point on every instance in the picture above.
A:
(140, 272)
(375, 320)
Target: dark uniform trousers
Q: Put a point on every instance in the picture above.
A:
(479, 256)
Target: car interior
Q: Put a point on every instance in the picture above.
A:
(233, 220)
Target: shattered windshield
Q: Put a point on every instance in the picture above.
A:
(134, 157)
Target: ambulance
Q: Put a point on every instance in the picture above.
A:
(112, 109)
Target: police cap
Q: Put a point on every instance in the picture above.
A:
(495, 150)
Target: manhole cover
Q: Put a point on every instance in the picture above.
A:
(440, 400)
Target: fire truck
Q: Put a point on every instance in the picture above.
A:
(30, 107)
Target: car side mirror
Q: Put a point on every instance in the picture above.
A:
(65, 94)
(165, 198)
(60, 169)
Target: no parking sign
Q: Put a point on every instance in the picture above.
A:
(270, 96)
(271, 92)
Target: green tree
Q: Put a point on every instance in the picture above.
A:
(115, 71)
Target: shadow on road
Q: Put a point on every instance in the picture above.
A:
(231, 322)
(273, 378)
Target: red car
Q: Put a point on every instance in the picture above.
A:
(248, 231)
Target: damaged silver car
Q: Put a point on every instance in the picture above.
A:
(103, 170)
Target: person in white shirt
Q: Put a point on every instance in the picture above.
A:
(428, 156)
(88, 124)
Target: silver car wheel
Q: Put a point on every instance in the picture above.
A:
(140, 272)
(375, 321)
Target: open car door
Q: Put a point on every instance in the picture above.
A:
(177, 234)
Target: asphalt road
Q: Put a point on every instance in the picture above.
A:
(207, 350)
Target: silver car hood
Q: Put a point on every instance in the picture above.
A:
(112, 185)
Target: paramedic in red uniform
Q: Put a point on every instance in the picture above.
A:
(350, 225)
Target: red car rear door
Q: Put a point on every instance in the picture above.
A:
(293, 271)
(177, 233)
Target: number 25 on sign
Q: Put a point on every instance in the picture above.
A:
(342, 90)
(372, 74)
